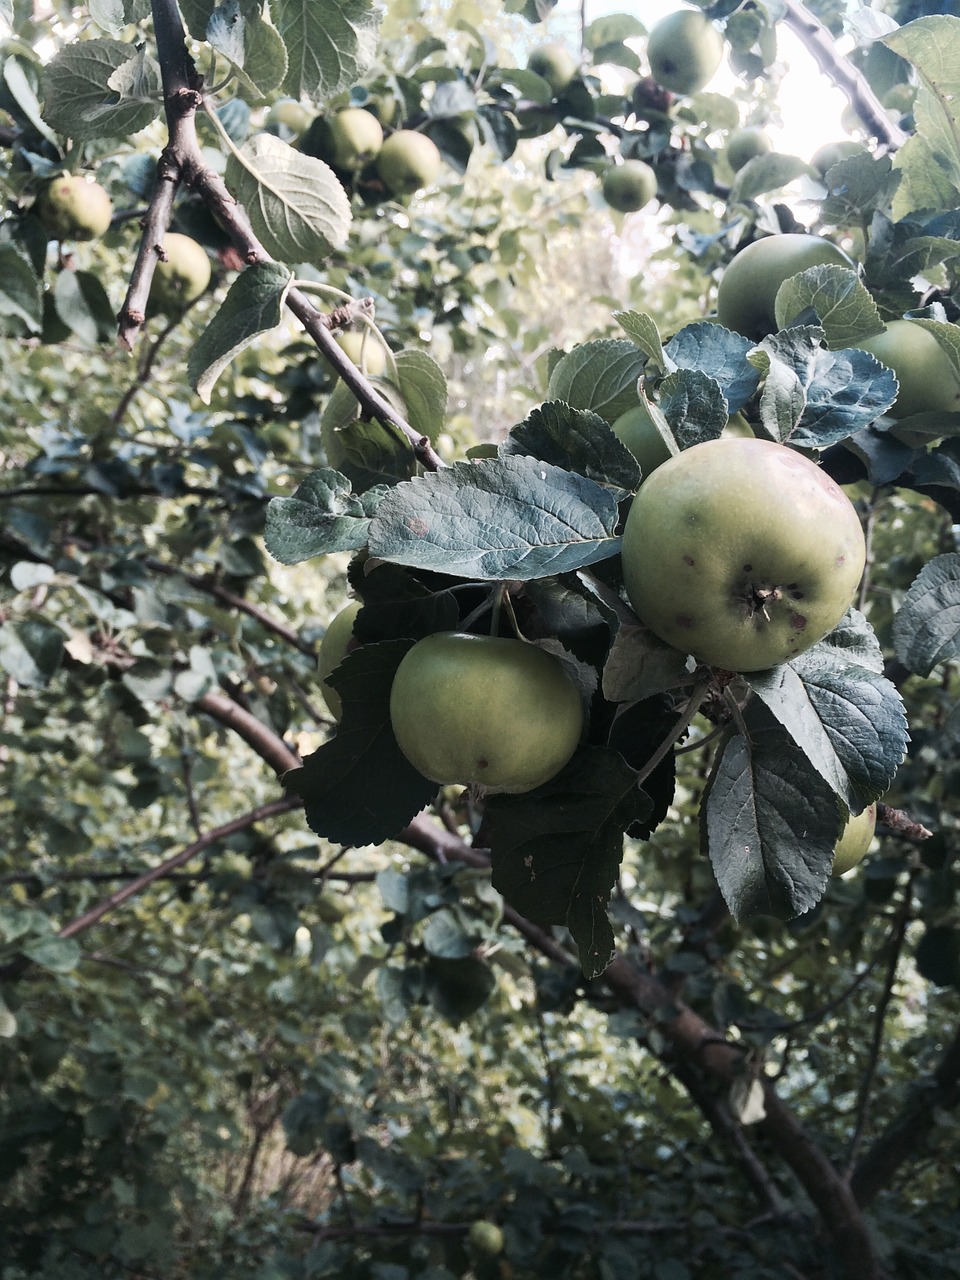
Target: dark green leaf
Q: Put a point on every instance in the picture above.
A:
(321, 516)
(83, 306)
(769, 823)
(423, 388)
(844, 309)
(59, 955)
(96, 89)
(926, 630)
(496, 519)
(21, 293)
(694, 406)
(764, 173)
(458, 988)
(329, 45)
(600, 376)
(556, 850)
(30, 651)
(938, 956)
(575, 440)
(721, 355)
(253, 305)
(359, 788)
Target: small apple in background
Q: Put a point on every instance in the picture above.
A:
(71, 208)
(181, 276)
(356, 138)
(555, 64)
(684, 50)
(855, 840)
(928, 383)
(637, 430)
(290, 115)
(744, 145)
(484, 709)
(748, 287)
(741, 552)
(832, 153)
(366, 349)
(408, 162)
(333, 649)
(486, 1238)
(629, 186)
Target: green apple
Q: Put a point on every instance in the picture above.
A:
(486, 1238)
(555, 64)
(497, 712)
(832, 153)
(855, 840)
(748, 287)
(684, 50)
(928, 383)
(71, 208)
(334, 647)
(409, 161)
(744, 145)
(356, 138)
(629, 186)
(741, 552)
(366, 349)
(291, 115)
(182, 274)
(637, 430)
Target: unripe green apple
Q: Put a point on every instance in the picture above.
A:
(71, 208)
(928, 383)
(181, 275)
(291, 114)
(748, 287)
(486, 1238)
(629, 186)
(366, 349)
(855, 840)
(832, 153)
(555, 64)
(684, 50)
(409, 161)
(744, 145)
(355, 138)
(741, 552)
(333, 649)
(484, 709)
(637, 430)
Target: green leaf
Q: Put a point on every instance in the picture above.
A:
(844, 309)
(857, 187)
(15, 78)
(575, 440)
(59, 955)
(721, 355)
(92, 89)
(694, 406)
(642, 330)
(445, 936)
(83, 306)
(329, 45)
(8, 1023)
(359, 788)
(556, 850)
(932, 46)
(815, 397)
(924, 184)
(938, 956)
(769, 821)
(926, 629)
(250, 44)
(253, 306)
(21, 292)
(601, 376)
(321, 516)
(611, 28)
(496, 519)
(295, 202)
(30, 651)
(765, 173)
(423, 388)
(458, 988)
(640, 665)
(947, 336)
(366, 451)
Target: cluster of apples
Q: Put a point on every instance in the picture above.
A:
(74, 207)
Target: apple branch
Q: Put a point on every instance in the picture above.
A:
(184, 158)
(818, 40)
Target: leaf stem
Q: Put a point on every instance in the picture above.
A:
(691, 707)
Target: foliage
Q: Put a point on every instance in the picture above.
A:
(326, 1023)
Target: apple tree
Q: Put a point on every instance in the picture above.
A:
(582, 646)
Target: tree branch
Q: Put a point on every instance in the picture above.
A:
(818, 40)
